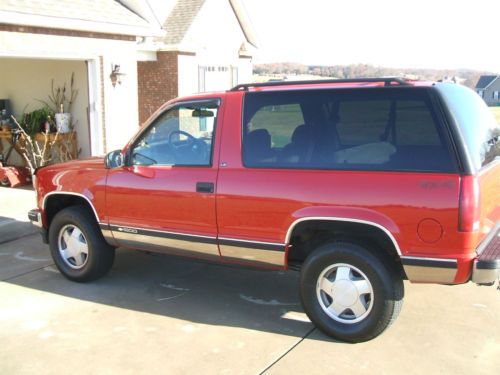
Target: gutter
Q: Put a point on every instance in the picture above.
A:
(23, 19)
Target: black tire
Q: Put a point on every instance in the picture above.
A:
(384, 300)
(100, 255)
(5, 182)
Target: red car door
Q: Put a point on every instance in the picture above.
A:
(163, 198)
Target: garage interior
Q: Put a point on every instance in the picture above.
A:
(26, 84)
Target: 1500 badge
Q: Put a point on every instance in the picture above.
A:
(128, 230)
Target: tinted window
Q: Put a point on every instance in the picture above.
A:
(362, 121)
(179, 136)
(279, 120)
(415, 126)
(478, 126)
(364, 129)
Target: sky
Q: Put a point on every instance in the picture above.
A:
(441, 34)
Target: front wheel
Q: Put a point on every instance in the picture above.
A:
(349, 293)
(77, 245)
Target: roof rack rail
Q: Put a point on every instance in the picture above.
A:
(388, 81)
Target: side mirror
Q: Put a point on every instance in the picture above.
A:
(113, 159)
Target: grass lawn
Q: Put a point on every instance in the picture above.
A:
(496, 113)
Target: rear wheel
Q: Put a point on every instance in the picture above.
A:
(349, 293)
(77, 245)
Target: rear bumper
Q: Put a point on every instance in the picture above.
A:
(486, 269)
(35, 216)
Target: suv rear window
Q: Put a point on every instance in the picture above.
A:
(480, 131)
(363, 129)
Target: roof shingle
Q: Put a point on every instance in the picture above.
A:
(180, 19)
(105, 11)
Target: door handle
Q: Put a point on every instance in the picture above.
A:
(204, 187)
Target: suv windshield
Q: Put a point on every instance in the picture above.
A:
(478, 126)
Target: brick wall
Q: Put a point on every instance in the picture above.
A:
(158, 83)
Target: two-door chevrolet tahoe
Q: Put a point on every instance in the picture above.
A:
(358, 184)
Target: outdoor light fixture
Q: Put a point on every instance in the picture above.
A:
(115, 75)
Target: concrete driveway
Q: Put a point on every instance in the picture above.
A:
(159, 314)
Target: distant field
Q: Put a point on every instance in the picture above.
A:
(281, 121)
(496, 112)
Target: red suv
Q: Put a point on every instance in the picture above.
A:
(358, 184)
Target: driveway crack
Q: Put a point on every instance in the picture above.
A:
(27, 272)
(286, 352)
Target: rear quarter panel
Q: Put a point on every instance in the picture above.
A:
(258, 204)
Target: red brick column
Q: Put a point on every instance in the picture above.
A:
(157, 83)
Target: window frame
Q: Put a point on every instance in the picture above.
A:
(442, 128)
(216, 101)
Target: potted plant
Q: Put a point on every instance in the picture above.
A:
(61, 104)
(39, 120)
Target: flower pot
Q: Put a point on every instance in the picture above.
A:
(63, 122)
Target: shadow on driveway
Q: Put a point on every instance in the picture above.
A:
(188, 290)
(12, 229)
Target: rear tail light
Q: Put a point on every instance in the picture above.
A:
(470, 205)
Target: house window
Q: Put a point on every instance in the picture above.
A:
(480, 93)
(495, 95)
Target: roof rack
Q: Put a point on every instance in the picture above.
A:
(388, 81)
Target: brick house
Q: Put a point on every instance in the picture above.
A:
(158, 49)
(198, 52)
(488, 88)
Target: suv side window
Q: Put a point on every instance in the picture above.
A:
(412, 115)
(362, 121)
(285, 118)
(182, 135)
(346, 129)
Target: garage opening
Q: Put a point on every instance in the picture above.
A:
(25, 86)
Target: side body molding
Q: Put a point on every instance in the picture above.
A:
(418, 269)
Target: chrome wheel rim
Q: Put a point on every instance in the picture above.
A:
(344, 293)
(72, 246)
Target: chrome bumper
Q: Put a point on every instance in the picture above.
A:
(484, 274)
(35, 217)
(486, 269)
